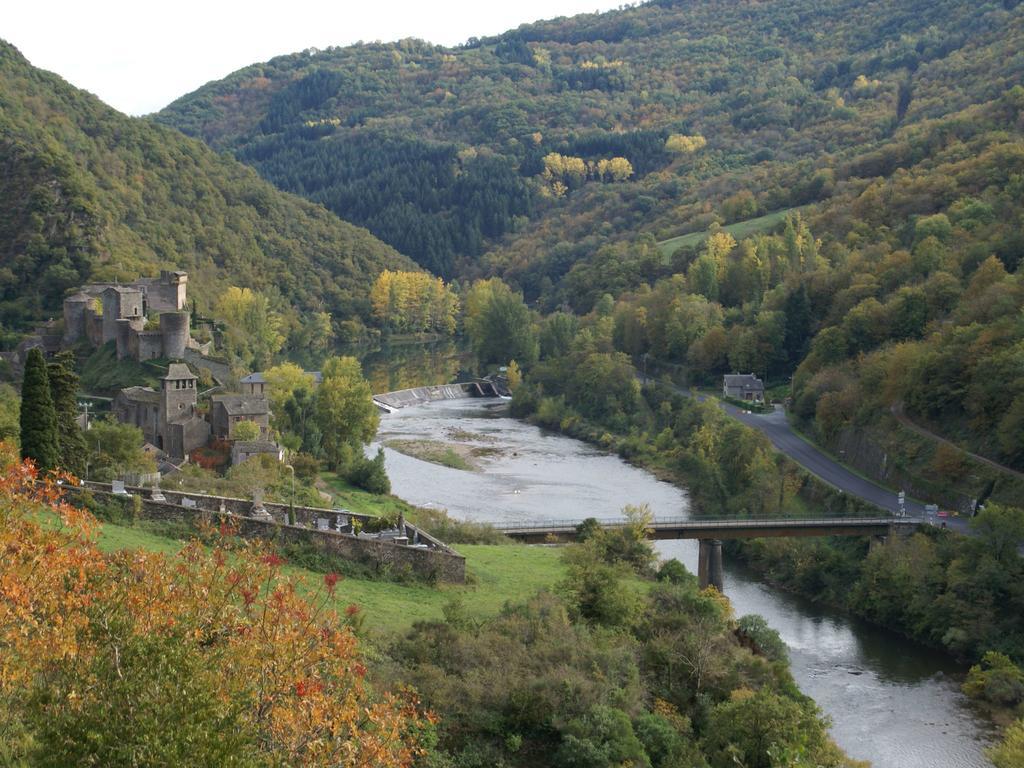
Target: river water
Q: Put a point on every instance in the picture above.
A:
(891, 702)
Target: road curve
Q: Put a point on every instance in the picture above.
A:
(776, 428)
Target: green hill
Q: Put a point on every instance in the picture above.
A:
(439, 151)
(87, 193)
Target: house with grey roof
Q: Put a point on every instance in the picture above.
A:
(743, 386)
(243, 450)
(256, 383)
(227, 411)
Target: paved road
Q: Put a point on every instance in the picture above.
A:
(776, 427)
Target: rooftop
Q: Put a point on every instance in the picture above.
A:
(243, 405)
(259, 378)
(255, 446)
(141, 394)
(741, 379)
(176, 371)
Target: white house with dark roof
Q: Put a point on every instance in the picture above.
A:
(743, 386)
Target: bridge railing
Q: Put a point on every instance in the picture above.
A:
(697, 523)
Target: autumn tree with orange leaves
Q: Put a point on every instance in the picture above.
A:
(207, 657)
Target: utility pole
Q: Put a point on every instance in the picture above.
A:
(291, 504)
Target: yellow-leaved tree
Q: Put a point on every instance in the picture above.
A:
(283, 381)
(414, 302)
(253, 331)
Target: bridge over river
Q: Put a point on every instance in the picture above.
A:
(711, 532)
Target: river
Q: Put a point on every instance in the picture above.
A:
(890, 701)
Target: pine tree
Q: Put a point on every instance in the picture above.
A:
(63, 390)
(39, 440)
(798, 324)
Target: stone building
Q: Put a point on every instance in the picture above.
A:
(226, 411)
(167, 417)
(103, 312)
(242, 450)
(743, 386)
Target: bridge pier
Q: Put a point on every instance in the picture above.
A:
(709, 564)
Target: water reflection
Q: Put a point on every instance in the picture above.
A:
(389, 367)
(891, 702)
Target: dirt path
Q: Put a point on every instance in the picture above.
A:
(897, 411)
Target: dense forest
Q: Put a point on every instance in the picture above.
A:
(440, 151)
(89, 194)
(883, 140)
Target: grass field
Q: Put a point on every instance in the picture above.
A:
(355, 499)
(739, 230)
(498, 574)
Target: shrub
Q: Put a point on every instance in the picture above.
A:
(370, 475)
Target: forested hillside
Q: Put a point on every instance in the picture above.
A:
(888, 136)
(441, 152)
(87, 193)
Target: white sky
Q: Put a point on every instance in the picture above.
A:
(139, 55)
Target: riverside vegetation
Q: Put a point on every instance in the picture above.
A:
(272, 675)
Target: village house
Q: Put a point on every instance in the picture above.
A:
(243, 450)
(226, 411)
(743, 386)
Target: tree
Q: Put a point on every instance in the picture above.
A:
(515, 376)
(797, 331)
(346, 415)
(64, 391)
(208, 657)
(996, 679)
(283, 382)
(300, 421)
(594, 588)
(603, 738)
(370, 474)
(1001, 528)
(253, 330)
(118, 449)
(246, 431)
(1010, 752)
(413, 302)
(755, 729)
(702, 277)
(684, 145)
(10, 409)
(40, 440)
(499, 324)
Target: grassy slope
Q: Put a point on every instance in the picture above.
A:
(739, 230)
(499, 574)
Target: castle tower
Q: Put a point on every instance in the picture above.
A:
(119, 302)
(174, 328)
(178, 395)
(74, 317)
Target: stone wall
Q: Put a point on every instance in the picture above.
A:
(861, 451)
(435, 561)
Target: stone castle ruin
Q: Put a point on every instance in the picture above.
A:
(125, 312)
